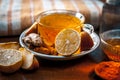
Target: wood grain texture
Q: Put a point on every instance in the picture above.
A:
(78, 69)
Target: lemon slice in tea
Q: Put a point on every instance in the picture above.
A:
(67, 42)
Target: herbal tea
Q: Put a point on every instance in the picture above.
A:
(112, 49)
(50, 25)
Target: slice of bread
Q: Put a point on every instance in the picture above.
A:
(10, 60)
(29, 61)
(9, 45)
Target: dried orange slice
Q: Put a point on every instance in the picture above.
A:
(67, 42)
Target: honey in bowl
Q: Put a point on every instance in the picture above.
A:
(110, 43)
(51, 24)
(113, 49)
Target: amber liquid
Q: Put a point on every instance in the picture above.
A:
(113, 49)
(51, 25)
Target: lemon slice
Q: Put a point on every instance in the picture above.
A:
(10, 60)
(67, 42)
(29, 60)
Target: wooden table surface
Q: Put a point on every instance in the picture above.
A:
(77, 69)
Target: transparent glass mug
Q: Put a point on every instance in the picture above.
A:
(53, 21)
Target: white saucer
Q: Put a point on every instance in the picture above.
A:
(53, 57)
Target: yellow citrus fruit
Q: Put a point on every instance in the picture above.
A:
(10, 60)
(29, 60)
(67, 42)
(9, 45)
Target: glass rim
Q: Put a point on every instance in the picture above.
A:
(107, 32)
(75, 13)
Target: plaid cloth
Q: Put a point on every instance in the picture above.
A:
(17, 15)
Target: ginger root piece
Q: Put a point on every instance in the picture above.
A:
(33, 39)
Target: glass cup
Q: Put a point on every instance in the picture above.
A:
(110, 44)
(53, 21)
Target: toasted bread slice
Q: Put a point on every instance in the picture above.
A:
(29, 61)
(10, 60)
(10, 45)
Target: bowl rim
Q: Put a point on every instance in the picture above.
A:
(108, 32)
(53, 57)
(77, 14)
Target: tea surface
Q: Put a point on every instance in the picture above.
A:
(58, 20)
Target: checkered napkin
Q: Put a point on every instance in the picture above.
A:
(17, 15)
